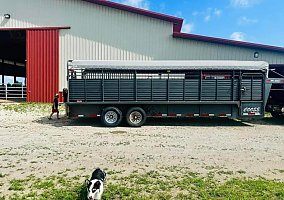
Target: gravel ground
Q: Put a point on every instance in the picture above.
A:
(31, 144)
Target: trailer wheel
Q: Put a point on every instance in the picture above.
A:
(111, 117)
(136, 117)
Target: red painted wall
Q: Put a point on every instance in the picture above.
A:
(42, 65)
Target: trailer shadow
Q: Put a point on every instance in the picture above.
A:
(65, 122)
(208, 122)
(266, 121)
(152, 121)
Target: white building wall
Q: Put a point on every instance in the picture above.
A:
(102, 33)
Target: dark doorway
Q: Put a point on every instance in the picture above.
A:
(276, 71)
(13, 64)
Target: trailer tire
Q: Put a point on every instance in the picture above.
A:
(111, 117)
(136, 117)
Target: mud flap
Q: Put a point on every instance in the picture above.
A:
(252, 109)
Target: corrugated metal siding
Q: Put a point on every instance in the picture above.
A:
(102, 33)
(42, 65)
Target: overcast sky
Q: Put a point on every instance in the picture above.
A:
(259, 21)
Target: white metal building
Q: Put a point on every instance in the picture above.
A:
(45, 34)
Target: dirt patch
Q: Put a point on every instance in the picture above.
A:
(33, 145)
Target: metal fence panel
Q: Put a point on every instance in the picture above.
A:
(13, 92)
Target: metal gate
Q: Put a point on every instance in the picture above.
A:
(8, 92)
(252, 94)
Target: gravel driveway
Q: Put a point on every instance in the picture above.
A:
(31, 144)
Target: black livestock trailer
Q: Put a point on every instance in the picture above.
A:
(135, 90)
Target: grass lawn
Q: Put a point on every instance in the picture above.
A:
(149, 185)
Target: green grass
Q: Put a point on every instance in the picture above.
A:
(30, 107)
(17, 185)
(151, 185)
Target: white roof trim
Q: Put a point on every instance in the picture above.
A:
(170, 65)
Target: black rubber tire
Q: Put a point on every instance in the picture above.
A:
(119, 117)
(143, 114)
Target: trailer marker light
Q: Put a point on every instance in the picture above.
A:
(251, 114)
(275, 81)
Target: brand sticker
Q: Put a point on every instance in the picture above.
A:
(251, 109)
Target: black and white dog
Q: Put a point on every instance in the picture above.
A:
(95, 186)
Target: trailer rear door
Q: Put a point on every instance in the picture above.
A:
(252, 94)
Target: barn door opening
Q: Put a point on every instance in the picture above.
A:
(42, 65)
(13, 65)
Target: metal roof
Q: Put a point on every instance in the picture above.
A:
(226, 41)
(177, 26)
(175, 20)
(169, 65)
